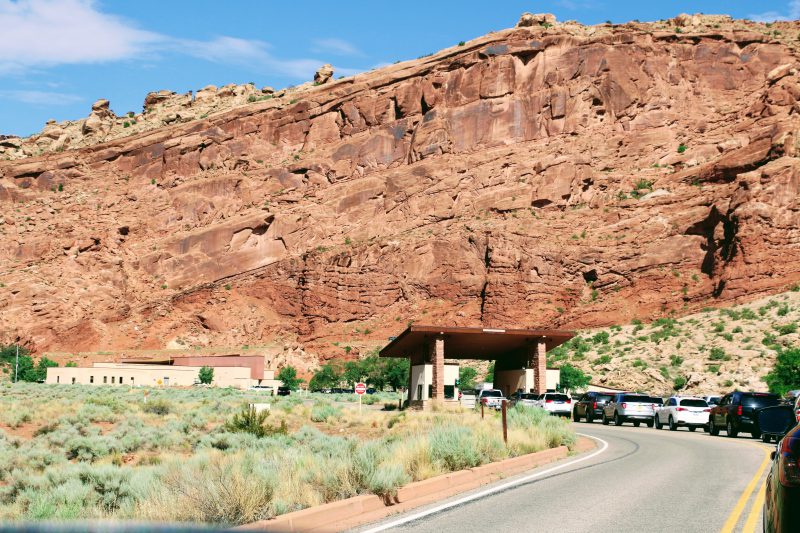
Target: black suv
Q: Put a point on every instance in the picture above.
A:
(736, 412)
(590, 406)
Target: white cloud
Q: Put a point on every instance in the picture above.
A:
(36, 34)
(40, 33)
(41, 97)
(335, 46)
(792, 13)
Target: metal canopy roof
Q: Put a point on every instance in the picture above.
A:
(473, 343)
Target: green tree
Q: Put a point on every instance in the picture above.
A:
(785, 375)
(71, 364)
(353, 372)
(490, 373)
(396, 372)
(573, 378)
(206, 375)
(288, 375)
(466, 377)
(327, 377)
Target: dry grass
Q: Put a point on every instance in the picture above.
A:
(181, 462)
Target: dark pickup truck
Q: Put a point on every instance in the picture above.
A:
(590, 406)
(736, 412)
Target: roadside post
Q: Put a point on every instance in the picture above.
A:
(361, 389)
(505, 423)
(481, 409)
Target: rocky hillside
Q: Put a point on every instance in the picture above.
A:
(545, 175)
(711, 352)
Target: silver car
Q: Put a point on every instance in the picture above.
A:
(629, 407)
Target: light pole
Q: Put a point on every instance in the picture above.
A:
(16, 367)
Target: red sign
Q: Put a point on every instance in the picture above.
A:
(361, 388)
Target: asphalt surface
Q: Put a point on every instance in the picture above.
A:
(645, 480)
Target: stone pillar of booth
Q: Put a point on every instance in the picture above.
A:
(437, 361)
(538, 362)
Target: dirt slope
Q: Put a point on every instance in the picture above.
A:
(711, 352)
(558, 175)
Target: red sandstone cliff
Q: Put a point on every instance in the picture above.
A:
(531, 177)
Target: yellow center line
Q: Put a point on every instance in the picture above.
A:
(755, 510)
(733, 518)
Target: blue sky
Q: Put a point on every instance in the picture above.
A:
(58, 56)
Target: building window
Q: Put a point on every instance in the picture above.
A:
(120, 380)
(166, 381)
(131, 380)
(91, 379)
(58, 379)
(105, 379)
(73, 381)
(112, 380)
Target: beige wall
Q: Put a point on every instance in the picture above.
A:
(147, 375)
(422, 376)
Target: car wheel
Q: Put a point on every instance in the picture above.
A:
(692, 428)
(755, 434)
(732, 433)
(658, 423)
(605, 419)
(575, 416)
(712, 428)
(636, 424)
(617, 419)
(672, 425)
(649, 423)
(765, 438)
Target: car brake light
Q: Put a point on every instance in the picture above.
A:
(797, 415)
(595, 407)
(548, 401)
(624, 405)
(483, 400)
(706, 410)
(569, 401)
(679, 409)
(739, 411)
(789, 472)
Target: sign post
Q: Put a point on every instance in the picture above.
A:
(361, 389)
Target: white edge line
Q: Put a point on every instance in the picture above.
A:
(486, 492)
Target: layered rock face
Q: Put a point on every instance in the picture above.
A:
(549, 175)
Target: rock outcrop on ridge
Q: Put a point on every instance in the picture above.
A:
(551, 174)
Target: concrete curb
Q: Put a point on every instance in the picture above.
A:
(345, 514)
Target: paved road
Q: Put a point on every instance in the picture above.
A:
(646, 480)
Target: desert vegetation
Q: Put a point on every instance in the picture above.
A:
(201, 455)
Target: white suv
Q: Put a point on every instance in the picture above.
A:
(677, 411)
(555, 403)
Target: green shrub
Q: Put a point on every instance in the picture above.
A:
(453, 448)
(676, 360)
(718, 354)
(157, 407)
(786, 329)
(249, 420)
(681, 147)
(679, 383)
(602, 360)
(323, 412)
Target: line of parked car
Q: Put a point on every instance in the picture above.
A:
(733, 413)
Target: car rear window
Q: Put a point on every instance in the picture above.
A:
(493, 393)
(529, 396)
(603, 397)
(693, 403)
(636, 398)
(657, 401)
(557, 397)
(760, 400)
